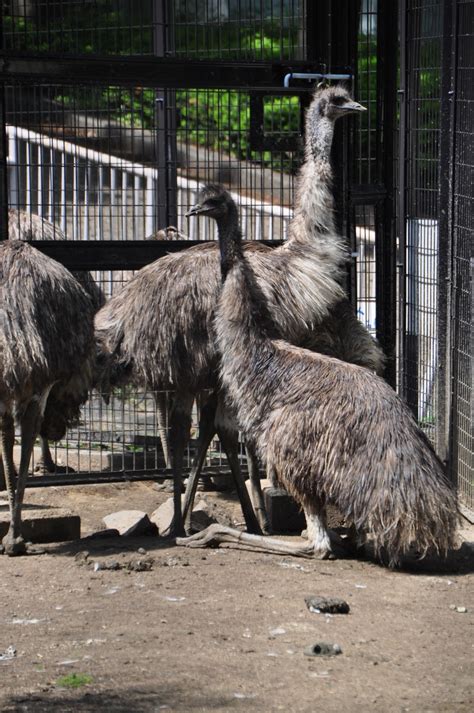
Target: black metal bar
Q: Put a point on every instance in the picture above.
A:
(408, 378)
(160, 72)
(445, 417)
(118, 476)
(165, 122)
(386, 245)
(108, 255)
(3, 157)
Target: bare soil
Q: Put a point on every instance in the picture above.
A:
(221, 629)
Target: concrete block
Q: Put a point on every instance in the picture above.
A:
(41, 526)
(130, 522)
(283, 512)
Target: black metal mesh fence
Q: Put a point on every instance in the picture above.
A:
(117, 160)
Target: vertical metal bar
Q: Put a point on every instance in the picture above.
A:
(4, 144)
(402, 150)
(4, 147)
(163, 45)
(446, 230)
(385, 243)
(13, 173)
(63, 194)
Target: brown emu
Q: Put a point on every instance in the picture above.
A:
(46, 336)
(328, 431)
(64, 403)
(158, 328)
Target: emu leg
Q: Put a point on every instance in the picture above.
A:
(180, 429)
(8, 467)
(256, 490)
(3, 482)
(207, 430)
(30, 424)
(46, 463)
(229, 441)
(161, 413)
(318, 534)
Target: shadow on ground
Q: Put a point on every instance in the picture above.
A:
(138, 700)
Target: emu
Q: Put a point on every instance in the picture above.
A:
(46, 336)
(171, 346)
(65, 398)
(328, 431)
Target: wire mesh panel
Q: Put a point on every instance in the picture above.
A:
(239, 29)
(463, 278)
(420, 224)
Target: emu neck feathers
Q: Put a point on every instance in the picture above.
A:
(314, 204)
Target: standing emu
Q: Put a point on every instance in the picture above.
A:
(158, 328)
(328, 431)
(46, 336)
(63, 407)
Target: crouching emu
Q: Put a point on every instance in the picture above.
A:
(330, 432)
(46, 336)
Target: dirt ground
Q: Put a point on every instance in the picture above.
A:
(214, 630)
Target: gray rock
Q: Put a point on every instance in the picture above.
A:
(327, 605)
(130, 522)
(201, 516)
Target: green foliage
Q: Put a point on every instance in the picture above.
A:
(74, 680)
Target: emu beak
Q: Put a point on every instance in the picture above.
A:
(195, 210)
(354, 106)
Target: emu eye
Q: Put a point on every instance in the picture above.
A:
(338, 101)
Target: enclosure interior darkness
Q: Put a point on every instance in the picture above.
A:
(114, 113)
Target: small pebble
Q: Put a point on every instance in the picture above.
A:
(461, 610)
(453, 607)
(141, 551)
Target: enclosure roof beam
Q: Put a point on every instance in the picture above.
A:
(149, 71)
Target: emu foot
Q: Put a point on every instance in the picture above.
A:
(168, 487)
(14, 546)
(217, 534)
(52, 468)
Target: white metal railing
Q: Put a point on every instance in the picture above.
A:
(94, 195)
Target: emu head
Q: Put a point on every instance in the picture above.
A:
(213, 201)
(335, 102)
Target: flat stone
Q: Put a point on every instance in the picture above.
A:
(130, 522)
(41, 526)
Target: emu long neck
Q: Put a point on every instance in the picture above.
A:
(314, 205)
(244, 330)
(230, 239)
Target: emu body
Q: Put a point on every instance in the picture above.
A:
(65, 399)
(46, 336)
(329, 432)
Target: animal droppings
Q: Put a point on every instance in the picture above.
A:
(321, 648)
(327, 605)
